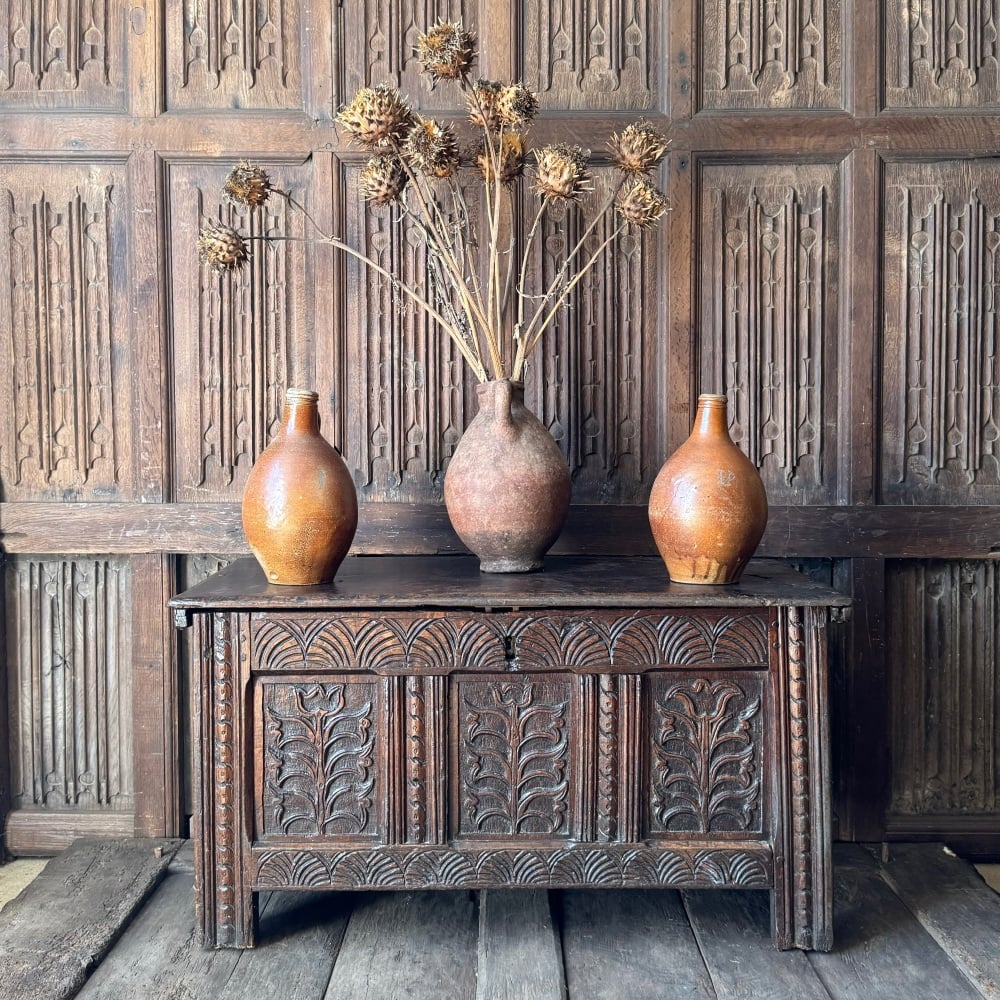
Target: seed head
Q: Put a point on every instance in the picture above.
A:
(382, 180)
(221, 247)
(641, 204)
(378, 117)
(517, 105)
(483, 103)
(637, 148)
(447, 51)
(432, 148)
(561, 171)
(247, 184)
(510, 155)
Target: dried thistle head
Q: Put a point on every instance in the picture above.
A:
(637, 148)
(640, 203)
(510, 159)
(432, 148)
(517, 105)
(222, 247)
(378, 117)
(483, 104)
(247, 184)
(382, 180)
(561, 171)
(447, 51)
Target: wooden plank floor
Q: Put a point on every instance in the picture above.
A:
(920, 924)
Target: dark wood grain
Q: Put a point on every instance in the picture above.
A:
(881, 947)
(953, 904)
(519, 957)
(636, 945)
(455, 582)
(417, 945)
(731, 929)
(63, 924)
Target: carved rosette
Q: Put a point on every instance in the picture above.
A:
(319, 759)
(705, 768)
(514, 757)
(779, 54)
(942, 278)
(428, 868)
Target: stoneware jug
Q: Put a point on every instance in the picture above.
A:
(507, 487)
(300, 508)
(708, 508)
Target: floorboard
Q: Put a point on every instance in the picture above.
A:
(880, 949)
(733, 930)
(417, 945)
(622, 943)
(954, 904)
(920, 926)
(519, 955)
(62, 925)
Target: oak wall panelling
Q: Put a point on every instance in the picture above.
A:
(829, 262)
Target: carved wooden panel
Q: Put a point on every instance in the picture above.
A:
(941, 393)
(428, 641)
(706, 751)
(944, 646)
(593, 377)
(432, 868)
(779, 54)
(942, 55)
(514, 737)
(318, 747)
(62, 53)
(599, 55)
(64, 340)
(770, 244)
(380, 37)
(409, 394)
(69, 665)
(234, 54)
(239, 339)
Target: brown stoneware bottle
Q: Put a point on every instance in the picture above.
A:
(507, 488)
(300, 508)
(708, 508)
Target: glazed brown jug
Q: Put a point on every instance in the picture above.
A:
(300, 508)
(507, 487)
(708, 508)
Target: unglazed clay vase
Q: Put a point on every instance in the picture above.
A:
(708, 508)
(507, 487)
(300, 508)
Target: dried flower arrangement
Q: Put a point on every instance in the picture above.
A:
(413, 169)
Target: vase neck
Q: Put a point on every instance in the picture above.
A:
(711, 418)
(301, 414)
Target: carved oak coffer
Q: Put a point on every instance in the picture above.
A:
(419, 725)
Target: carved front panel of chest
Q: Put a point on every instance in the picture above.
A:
(319, 765)
(706, 747)
(515, 740)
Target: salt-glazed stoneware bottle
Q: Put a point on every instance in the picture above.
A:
(300, 507)
(507, 488)
(708, 508)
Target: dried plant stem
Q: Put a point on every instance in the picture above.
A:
(526, 345)
(519, 326)
(522, 357)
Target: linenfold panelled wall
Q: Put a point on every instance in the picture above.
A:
(831, 262)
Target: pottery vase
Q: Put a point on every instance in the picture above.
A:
(507, 488)
(708, 508)
(300, 507)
